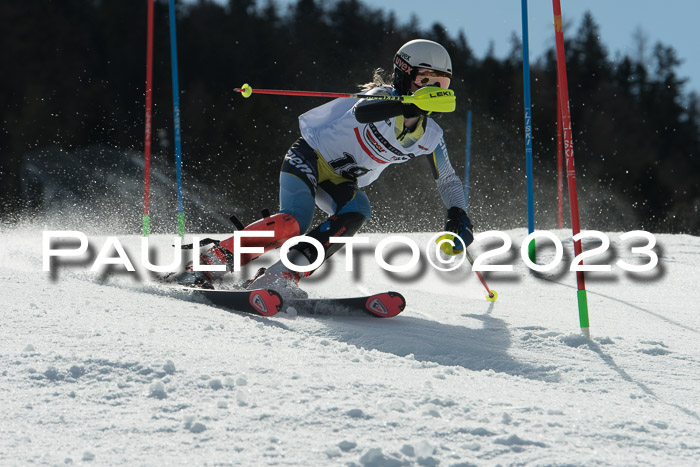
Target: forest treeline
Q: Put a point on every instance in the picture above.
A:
(74, 76)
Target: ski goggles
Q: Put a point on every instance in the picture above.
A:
(428, 77)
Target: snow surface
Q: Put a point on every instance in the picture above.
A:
(114, 369)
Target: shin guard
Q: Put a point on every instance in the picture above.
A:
(284, 226)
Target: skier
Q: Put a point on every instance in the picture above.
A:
(344, 146)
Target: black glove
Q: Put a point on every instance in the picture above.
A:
(459, 223)
(412, 110)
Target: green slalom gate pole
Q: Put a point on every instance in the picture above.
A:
(570, 170)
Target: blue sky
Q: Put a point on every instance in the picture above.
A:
(672, 22)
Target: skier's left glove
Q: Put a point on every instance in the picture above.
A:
(459, 223)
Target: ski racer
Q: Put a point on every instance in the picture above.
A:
(345, 145)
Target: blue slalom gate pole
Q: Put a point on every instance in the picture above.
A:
(468, 158)
(528, 133)
(176, 118)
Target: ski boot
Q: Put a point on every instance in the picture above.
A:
(216, 256)
(284, 227)
(280, 278)
(285, 281)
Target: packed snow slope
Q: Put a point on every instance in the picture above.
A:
(111, 368)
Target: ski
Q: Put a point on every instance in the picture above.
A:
(261, 302)
(381, 305)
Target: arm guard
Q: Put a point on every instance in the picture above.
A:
(369, 111)
(448, 183)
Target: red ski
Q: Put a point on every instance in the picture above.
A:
(381, 305)
(261, 302)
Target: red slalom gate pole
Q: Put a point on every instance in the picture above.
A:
(147, 135)
(570, 171)
(560, 178)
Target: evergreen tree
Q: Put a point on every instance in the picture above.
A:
(75, 76)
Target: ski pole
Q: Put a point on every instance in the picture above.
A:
(492, 295)
(246, 91)
(430, 98)
(446, 244)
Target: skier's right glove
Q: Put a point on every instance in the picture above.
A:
(459, 223)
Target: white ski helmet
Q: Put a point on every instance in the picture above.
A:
(418, 53)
